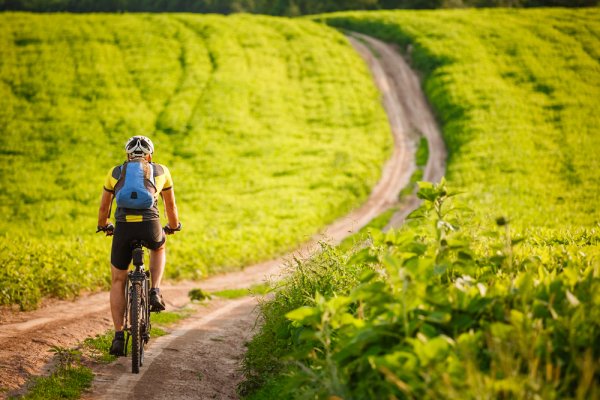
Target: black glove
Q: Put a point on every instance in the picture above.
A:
(169, 231)
(109, 229)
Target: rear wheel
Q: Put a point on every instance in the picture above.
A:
(136, 313)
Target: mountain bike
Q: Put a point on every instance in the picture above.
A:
(137, 289)
(137, 311)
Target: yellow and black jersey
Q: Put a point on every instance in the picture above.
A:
(162, 182)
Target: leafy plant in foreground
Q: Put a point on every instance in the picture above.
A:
(446, 311)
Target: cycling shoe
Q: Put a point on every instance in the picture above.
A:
(118, 347)
(156, 301)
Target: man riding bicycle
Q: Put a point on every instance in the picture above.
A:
(136, 224)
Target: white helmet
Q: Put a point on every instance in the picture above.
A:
(139, 146)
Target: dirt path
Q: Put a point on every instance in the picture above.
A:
(200, 359)
(197, 361)
(409, 112)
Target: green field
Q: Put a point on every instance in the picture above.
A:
(490, 294)
(516, 92)
(271, 129)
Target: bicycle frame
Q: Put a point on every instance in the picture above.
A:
(138, 277)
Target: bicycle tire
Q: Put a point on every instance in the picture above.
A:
(137, 345)
(144, 321)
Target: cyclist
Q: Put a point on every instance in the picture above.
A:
(135, 224)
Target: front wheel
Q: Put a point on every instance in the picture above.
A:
(136, 313)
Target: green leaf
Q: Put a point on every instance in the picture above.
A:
(461, 322)
(419, 213)
(432, 350)
(573, 301)
(338, 303)
(349, 319)
(302, 314)
(398, 360)
(501, 331)
(362, 257)
(307, 335)
(516, 317)
(439, 317)
(367, 276)
(440, 269)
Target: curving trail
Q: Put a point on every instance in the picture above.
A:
(200, 359)
(407, 109)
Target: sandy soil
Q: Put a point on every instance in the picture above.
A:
(200, 359)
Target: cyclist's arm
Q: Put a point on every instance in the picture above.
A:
(104, 208)
(170, 207)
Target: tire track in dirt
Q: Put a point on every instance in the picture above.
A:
(201, 358)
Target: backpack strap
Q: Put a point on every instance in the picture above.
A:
(122, 174)
(123, 170)
(151, 178)
(120, 180)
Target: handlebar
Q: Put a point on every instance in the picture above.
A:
(109, 229)
(169, 231)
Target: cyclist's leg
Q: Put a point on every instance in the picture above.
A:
(156, 244)
(117, 296)
(120, 258)
(157, 265)
(155, 240)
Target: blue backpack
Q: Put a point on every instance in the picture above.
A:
(135, 188)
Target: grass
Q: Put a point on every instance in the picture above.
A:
(66, 383)
(68, 380)
(266, 142)
(254, 290)
(421, 157)
(490, 294)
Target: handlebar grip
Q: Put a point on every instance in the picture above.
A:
(169, 231)
(109, 228)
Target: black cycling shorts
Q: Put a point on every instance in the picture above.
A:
(150, 232)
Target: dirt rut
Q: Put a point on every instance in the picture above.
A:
(201, 358)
